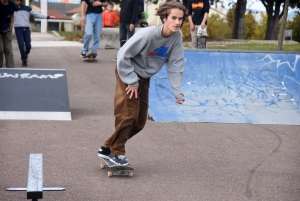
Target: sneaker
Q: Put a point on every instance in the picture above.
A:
(24, 63)
(120, 160)
(83, 54)
(93, 55)
(115, 59)
(104, 153)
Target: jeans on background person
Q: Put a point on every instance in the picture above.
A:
(125, 32)
(93, 28)
(23, 36)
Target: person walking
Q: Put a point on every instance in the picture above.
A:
(198, 13)
(7, 9)
(22, 28)
(128, 14)
(91, 13)
(141, 57)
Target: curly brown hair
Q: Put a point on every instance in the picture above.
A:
(163, 10)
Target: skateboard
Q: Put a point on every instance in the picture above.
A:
(117, 170)
(88, 57)
(201, 38)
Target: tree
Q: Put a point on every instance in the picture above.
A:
(261, 28)
(250, 23)
(281, 35)
(295, 26)
(230, 17)
(239, 16)
(218, 28)
(275, 13)
(250, 26)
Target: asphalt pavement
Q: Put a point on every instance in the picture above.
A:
(172, 161)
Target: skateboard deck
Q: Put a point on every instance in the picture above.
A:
(89, 58)
(201, 38)
(117, 170)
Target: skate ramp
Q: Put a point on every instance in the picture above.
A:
(34, 94)
(231, 87)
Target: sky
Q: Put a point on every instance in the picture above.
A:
(255, 5)
(259, 7)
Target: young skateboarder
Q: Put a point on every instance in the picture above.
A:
(22, 28)
(142, 56)
(91, 14)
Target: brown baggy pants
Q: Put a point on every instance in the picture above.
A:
(130, 115)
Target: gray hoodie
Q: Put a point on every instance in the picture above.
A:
(22, 16)
(145, 53)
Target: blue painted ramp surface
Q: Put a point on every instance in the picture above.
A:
(231, 87)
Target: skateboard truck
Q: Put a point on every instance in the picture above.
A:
(90, 57)
(119, 170)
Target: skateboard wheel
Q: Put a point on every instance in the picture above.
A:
(102, 166)
(109, 174)
(130, 174)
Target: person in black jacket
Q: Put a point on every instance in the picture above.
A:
(128, 14)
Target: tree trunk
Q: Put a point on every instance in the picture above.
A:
(235, 29)
(238, 22)
(274, 16)
(285, 13)
(242, 19)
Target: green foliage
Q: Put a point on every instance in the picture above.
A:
(250, 26)
(72, 36)
(250, 23)
(62, 26)
(295, 26)
(217, 28)
(261, 29)
(256, 46)
(230, 17)
(186, 33)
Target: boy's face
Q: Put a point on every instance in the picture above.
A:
(109, 7)
(18, 2)
(174, 20)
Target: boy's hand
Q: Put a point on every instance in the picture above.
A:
(83, 19)
(202, 25)
(132, 91)
(131, 27)
(192, 26)
(179, 101)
